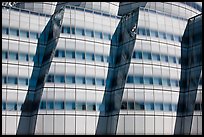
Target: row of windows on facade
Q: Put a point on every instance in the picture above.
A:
(130, 105)
(96, 81)
(156, 57)
(92, 33)
(152, 81)
(92, 56)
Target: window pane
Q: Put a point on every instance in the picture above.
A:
(11, 106)
(157, 81)
(33, 35)
(158, 106)
(90, 81)
(22, 81)
(59, 79)
(124, 105)
(80, 55)
(106, 36)
(89, 33)
(12, 80)
(98, 35)
(59, 105)
(70, 79)
(5, 31)
(154, 33)
(14, 32)
(79, 31)
(130, 105)
(23, 34)
(80, 106)
(146, 56)
(167, 107)
(156, 57)
(22, 57)
(42, 105)
(80, 80)
(138, 55)
(70, 106)
(91, 107)
(138, 80)
(139, 106)
(99, 82)
(149, 106)
(4, 55)
(13, 56)
(148, 80)
(50, 105)
(130, 79)
(70, 54)
(164, 58)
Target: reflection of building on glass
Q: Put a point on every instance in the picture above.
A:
(101, 68)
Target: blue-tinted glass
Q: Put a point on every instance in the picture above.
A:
(33, 35)
(13, 56)
(59, 105)
(174, 83)
(66, 29)
(3, 106)
(162, 35)
(91, 107)
(70, 106)
(60, 53)
(42, 105)
(99, 58)
(12, 80)
(105, 58)
(50, 105)
(106, 36)
(80, 106)
(147, 55)
(80, 55)
(11, 106)
(138, 80)
(73, 30)
(99, 82)
(59, 79)
(148, 32)
(22, 81)
(174, 107)
(157, 81)
(164, 58)
(138, 55)
(70, 79)
(158, 106)
(5, 31)
(98, 35)
(142, 31)
(154, 33)
(80, 80)
(14, 32)
(172, 59)
(124, 105)
(176, 38)
(149, 106)
(90, 81)
(4, 55)
(89, 33)
(167, 107)
(130, 79)
(169, 36)
(79, 31)
(31, 57)
(156, 57)
(89, 56)
(164, 82)
(148, 80)
(130, 105)
(22, 57)
(23, 34)
(50, 78)
(139, 106)
(70, 54)
(19, 106)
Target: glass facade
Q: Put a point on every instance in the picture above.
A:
(102, 68)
